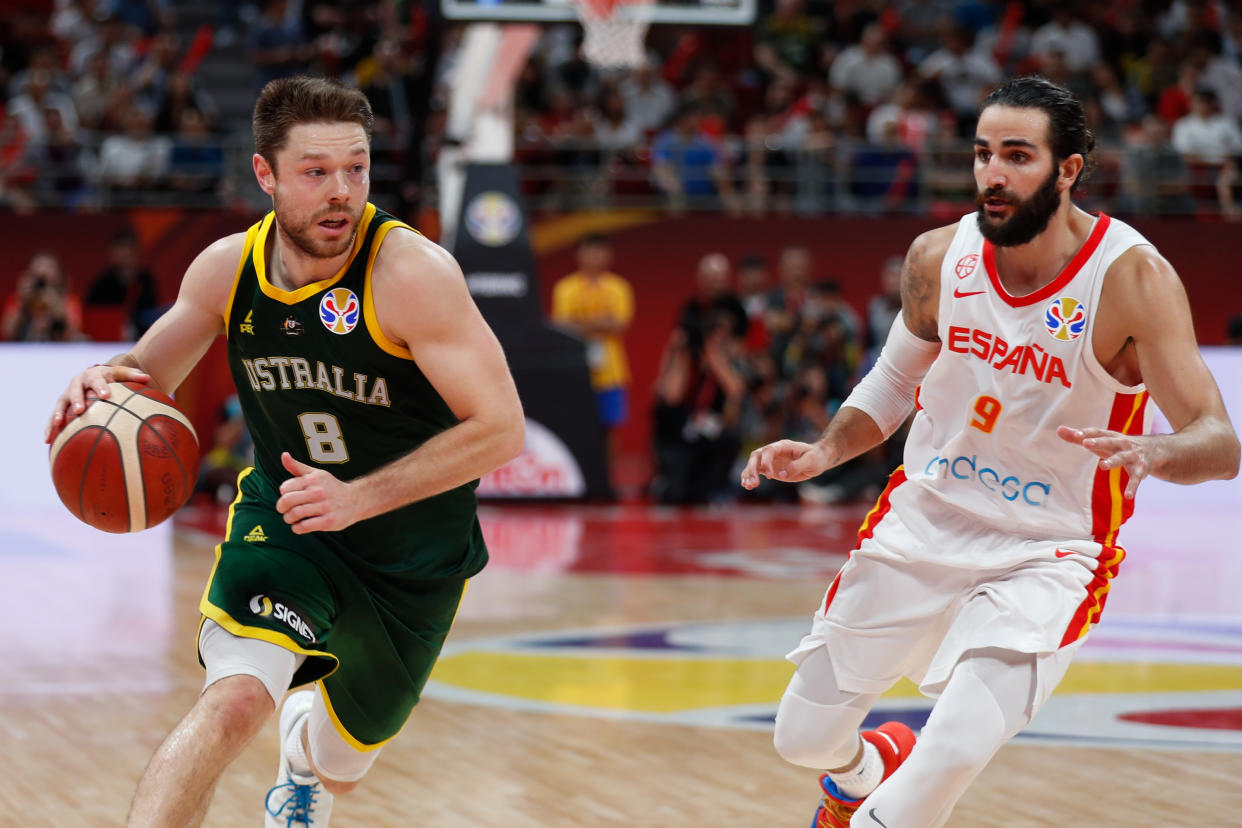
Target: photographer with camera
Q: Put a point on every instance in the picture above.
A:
(42, 309)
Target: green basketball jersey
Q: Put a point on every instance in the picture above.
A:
(317, 378)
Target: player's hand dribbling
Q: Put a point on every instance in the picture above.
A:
(1115, 450)
(786, 460)
(93, 380)
(314, 500)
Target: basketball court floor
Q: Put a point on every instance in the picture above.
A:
(619, 666)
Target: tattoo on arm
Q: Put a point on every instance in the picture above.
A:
(920, 295)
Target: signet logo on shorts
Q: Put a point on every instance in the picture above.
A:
(255, 535)
(264, 607)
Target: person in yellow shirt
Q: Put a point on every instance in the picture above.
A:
(598, 305)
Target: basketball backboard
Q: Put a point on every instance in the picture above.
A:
(692, 12)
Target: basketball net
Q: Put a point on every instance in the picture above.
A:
(615, 31)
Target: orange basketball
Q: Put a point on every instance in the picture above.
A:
(127, 462)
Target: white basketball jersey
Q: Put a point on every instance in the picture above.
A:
(1011, 369)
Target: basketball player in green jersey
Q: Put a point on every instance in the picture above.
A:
(377, 396)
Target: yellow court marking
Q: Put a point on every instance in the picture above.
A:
(666, 685)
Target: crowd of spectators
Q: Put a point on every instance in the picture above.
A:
(817, 106)
(869, 106)
(759, 356)
(102, 104)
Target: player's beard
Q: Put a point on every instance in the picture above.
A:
(299, 231)
(1029, 216)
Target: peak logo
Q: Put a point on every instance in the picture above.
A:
(265, 607)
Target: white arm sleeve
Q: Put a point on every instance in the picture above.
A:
(886, 394)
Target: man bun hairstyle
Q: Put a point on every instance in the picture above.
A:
(1066, 119)
(304, 99)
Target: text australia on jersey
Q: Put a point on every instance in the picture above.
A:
(293, 373)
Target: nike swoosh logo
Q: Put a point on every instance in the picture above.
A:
(871, 814)
(959, 293)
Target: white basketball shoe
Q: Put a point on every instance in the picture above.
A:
(296, 800)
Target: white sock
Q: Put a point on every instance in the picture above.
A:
(299, 764)
(864, 777)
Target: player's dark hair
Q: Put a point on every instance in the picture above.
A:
(303, 99)
(593, 240)
(1068, 130)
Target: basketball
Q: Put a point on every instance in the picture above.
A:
(127, 462)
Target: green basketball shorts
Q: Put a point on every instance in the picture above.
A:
(371, 637)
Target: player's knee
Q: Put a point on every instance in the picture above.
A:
(239, 705)
(814, 735)
(339, 765)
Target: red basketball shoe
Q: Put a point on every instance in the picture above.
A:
(894, 741)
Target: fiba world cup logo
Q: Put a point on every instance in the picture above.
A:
(339, 309)
(1065, 318)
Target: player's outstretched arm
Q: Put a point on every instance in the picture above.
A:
(173, 345)
(884, 398)
(1147, 304)
(422, 303)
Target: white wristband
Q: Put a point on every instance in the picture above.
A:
(886, 394)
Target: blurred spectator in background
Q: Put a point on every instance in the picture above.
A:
(113, 40)
(147, 16)
(62, 163)
(786, 301)
(884, 173)
(1210, 142)
(695, 421)
(965, 76)
(1068, 34)
(1154, 177)
(597, 305)
(184, 92)
(122, 301)
(649, 100)
(387, 79)
(42, 308)
(196, 161)
(154, 73)
(882, 309)
(1221, 74)
(92, 90)
(136, 160)
(909, 117)
(617, 135)
(713, 299)
(278, 44)
(787, 42)
(689, 168)
(752, 290)
(867, 70)
(36, 98)
(17, 171)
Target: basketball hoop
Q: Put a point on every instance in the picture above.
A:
(615, 31)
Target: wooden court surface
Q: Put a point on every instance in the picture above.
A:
(74, 740)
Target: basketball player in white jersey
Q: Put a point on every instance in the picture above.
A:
(1034, 339)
